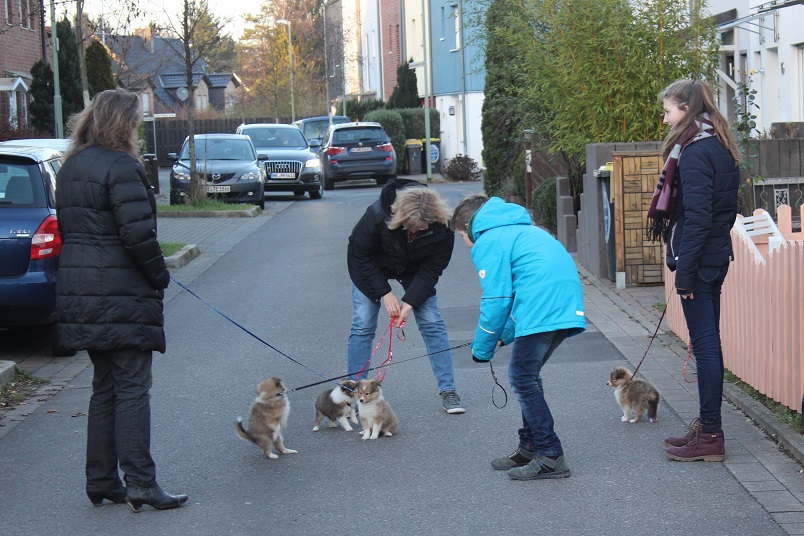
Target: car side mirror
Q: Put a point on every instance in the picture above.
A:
(262, 157)
(315, 143)
(172, 157)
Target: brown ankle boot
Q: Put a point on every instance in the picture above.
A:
(694, 427)
(706, 447)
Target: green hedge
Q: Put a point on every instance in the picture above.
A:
(392, 122)
(414, 122)
(544, 204)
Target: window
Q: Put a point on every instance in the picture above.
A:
(456, 12)
(7, 4)
(146, 104)
(201, 102)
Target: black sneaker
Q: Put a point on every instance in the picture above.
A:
(452, 402)
(519, 458)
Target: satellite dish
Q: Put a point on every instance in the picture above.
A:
(182, 93)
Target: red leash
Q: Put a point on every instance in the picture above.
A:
(390, 355)
(653, 338)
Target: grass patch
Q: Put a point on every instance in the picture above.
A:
(209, 204)
(785, 414)
(659, 305)
(169, 248)
(20, 389)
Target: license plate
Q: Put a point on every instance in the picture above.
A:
(283, 175)
(219, 189)
(361, 149)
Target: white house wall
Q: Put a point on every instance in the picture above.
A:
(452, 126)
(370, 48)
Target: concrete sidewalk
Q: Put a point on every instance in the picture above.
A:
(626, 317)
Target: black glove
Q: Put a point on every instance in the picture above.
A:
(478, 360)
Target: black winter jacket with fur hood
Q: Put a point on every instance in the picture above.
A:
(112, 274)
(376, 254)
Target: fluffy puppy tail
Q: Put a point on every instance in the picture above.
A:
(242, 432)
(653, 407)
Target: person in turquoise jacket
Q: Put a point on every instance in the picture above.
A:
(532, 297)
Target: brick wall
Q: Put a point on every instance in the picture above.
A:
(391, 44)
(22, 47)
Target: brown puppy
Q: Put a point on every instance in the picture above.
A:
(635, 394)
(336, 405)
(376, 414)
(269, 416)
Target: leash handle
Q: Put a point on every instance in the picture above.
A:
(496, 385)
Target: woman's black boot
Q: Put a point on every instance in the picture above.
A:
(155, 497)
(117, 495)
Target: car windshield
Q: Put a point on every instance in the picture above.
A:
(21, 185)
(219, 149)
(276, 137)
(347, 135)
(317, 129)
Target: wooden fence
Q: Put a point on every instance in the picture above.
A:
(762, 316)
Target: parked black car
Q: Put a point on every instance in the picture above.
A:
(292, 165)
(230, 167)
(314, 128)
(357, 151)
(30, 244)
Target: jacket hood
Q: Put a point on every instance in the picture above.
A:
(496, 213)
(388, 194)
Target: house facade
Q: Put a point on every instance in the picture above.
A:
(21, 45)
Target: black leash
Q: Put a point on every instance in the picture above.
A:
(497, 384)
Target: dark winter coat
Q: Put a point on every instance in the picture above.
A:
(112, 274)
(705, 210)
(376, 254)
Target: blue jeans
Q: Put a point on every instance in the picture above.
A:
(431, 326)
(702, 314)
(528, 356)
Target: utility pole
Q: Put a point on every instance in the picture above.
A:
(56, 86)
(426, 97)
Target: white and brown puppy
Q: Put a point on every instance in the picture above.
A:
(336, 405)
(269, 416)
(376, 414)
(634, 394)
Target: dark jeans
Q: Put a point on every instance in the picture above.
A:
(528, 356)
(702, 314)
(119, 420)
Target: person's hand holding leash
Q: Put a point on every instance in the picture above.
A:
(403, 315)
(391, 303)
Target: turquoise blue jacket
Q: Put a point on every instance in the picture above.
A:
(530, 283)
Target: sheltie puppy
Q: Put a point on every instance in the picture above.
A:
(336, 405)
(634, 394)
(376, 414)
(269, 416)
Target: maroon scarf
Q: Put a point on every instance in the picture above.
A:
(664, 197)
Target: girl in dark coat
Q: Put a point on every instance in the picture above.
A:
(110, 285)
(693, 209)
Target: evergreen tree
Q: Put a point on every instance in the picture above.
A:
(406, 92)
(41, 108)
(99, 68)
(72, 101)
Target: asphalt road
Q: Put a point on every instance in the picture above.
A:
(288, 283)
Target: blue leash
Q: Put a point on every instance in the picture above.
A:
(283, 354)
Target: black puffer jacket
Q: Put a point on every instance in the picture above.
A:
(376, 254)
(112, 275)
(705, 210)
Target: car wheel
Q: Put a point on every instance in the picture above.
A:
(318, 192)
(329, 183)
(55, 348)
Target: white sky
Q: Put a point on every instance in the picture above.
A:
(156, 9)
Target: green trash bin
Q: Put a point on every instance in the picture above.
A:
(413, 158)
(435, 155)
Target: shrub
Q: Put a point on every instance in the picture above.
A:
(461, 168)
(544, 204)
(413, 118)
(395, 128)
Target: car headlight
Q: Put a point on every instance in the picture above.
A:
(313, 163)
(250, 176)
(181, 175)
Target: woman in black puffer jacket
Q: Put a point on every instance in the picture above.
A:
(694, 207)
(109, 288)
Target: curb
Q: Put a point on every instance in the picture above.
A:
(243, 213)
(7, 369)
(183, 256)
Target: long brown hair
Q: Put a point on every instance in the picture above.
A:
(698, 98)
(110, 121)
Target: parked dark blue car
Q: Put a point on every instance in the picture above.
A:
(30, 244)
